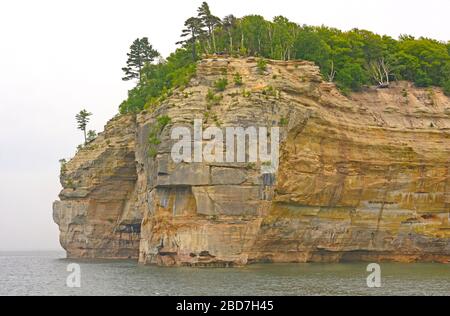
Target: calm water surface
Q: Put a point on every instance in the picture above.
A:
(45, 273)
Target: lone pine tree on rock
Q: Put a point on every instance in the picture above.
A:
(82, 120)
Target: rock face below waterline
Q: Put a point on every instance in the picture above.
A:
(364, 177)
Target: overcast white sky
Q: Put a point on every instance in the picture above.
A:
(57, 57)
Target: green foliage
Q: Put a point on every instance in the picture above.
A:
(212, 98)
(270, 91)
(424, 61)
(246, 93)
(282, 46)
(352, 59)
(153, 139)
(310, 46)
(253, 30)
(210, 22)
(446, 87)
(82, 119)
(210, 95)
(158, 80)
(163, 121)
(201, 30)
(91, 135)
(153, 135)
(261, 65)
(284, 121)
(221, 84)
(193, 29)
(446, 76)
(351, 76)
(141, 53)
(237, 78)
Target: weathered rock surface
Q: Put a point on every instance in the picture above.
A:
(364, 177)
(96, 213)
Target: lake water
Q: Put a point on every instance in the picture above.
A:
(45, 273)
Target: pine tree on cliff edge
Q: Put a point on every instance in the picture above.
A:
(210, 21)
(82, 121)
(194, 29)
(141, 53)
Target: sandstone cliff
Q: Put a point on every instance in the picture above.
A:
(364, 177)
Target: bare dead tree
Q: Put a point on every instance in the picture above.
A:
(332, 73)
(380, 71)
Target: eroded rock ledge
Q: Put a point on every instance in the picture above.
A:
(364, 177)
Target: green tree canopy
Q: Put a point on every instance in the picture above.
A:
(352, 59)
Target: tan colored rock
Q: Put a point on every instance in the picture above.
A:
(96, 214)
(364, 177)
(230, 176)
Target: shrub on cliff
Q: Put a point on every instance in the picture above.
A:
(221, 84)
(261, 65)
(153, 135)
(158, 79)
(212, 98)
(237, 78)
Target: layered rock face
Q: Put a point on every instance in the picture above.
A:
(364, 177)
(96, 213)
